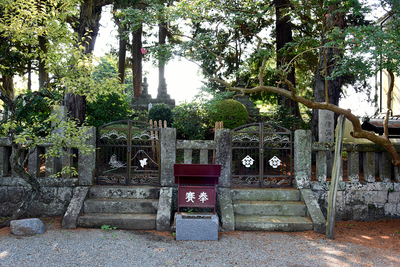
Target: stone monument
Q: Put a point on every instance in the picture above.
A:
(326, 133)
(249, 104)
(144, 100)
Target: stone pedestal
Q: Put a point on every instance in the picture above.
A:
(196, 226)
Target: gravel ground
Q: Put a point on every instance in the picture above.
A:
(95, 247)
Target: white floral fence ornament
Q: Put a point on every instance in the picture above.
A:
(274, 162)
(248, 161)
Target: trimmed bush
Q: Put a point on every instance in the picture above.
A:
(231, 112)
(161, 112)
(189, 121)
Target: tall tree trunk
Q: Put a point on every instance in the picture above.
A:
(325, 68)
(122, 55)
(283, 37)
(8, 85)
(121, 60)
(137, 62)
(76, 107)
(43, 75)
(30, 72)
(87, 27)
(122, 47)
(89, 22)
(162, 36)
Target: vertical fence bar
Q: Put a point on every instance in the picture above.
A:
(188, 153)
(66, 161)
(384, 167)
(341, 169)
(396, 174)
(321, 166)
(203, 156)
(369, 166)
(50, 165)
(34, 162)
(353, 166)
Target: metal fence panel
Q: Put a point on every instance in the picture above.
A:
(128, 153)
(262, 156)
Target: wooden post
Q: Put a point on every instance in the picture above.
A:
(330, 222)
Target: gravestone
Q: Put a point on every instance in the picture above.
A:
(326, 133)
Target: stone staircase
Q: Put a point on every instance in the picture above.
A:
(269, 209)
(124, 207)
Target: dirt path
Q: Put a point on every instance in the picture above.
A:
(382, 234)
(373, 243)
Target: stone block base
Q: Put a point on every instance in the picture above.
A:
(197, 227)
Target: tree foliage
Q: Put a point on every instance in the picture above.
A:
(107, 108)
(189, 121)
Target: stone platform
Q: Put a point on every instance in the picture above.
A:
(197, 226)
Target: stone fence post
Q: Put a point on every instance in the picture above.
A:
(168, 156)
(87, 163)
(223, 156)
(302, 159)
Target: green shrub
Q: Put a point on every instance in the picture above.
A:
(189, 121)
(107, 108)
(34, 114)
(231, 112)
(161, 112)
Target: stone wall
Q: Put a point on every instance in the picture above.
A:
(356, 200)
(52, 200)
(55, 193)
(361, 201)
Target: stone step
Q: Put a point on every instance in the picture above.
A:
(122, 205)
(265, 194)
(272, 223)
(121, 221)
(272, 208)
(149, 192)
